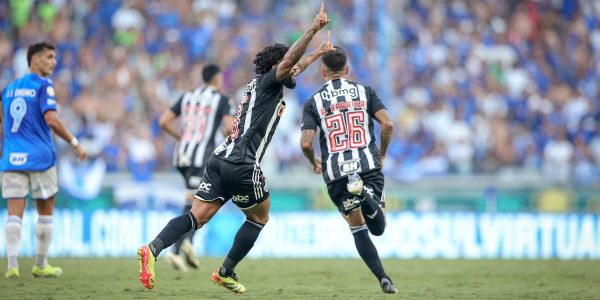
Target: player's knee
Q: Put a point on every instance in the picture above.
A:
(259, 219)
(377, 228)
(377, 231)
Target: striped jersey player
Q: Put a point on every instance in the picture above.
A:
(351, 162)
(233, 171)
(201, 113)
(344, 110)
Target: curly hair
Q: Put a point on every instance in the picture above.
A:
(268, 57)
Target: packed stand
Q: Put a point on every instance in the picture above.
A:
(474, 86)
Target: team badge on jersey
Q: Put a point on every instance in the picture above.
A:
(50, 91)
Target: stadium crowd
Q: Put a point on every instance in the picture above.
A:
(474, 86)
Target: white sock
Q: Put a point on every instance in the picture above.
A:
(43, 233)
(13, 238)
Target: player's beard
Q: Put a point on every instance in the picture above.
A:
(289, 82)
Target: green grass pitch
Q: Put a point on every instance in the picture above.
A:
(315, 279)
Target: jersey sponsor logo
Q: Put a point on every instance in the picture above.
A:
(349, 203)
(18, 158)
(51, 102)
(240, 198)
(204, 186)
(352, 91)
(24, 93)
(50, 91)
(350, 166)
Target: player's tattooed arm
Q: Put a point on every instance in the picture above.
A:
(293, 55)
(387, 128)
(307, 148)
(308, 59)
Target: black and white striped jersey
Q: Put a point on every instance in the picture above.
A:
(200, 111)
(345, 112)
(257, 117)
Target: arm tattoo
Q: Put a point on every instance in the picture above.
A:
(302, 64)
(295, 52)
(306, 139)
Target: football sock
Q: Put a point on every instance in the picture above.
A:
(13, 238)
(43, 234)
(176, 228)
(242, 243)
(188, 235)
(367, 250)
(372, 213)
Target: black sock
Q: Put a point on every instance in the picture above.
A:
(242, 243)
(188, 235)
(367, 250)
(172, 232)
(372, 213)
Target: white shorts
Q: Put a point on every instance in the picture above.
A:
(16, 185)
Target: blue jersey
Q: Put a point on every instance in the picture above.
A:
(27, 144)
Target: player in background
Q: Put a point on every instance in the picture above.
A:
(201, 112)
(233, 171)
(28, 157)
(344, 111)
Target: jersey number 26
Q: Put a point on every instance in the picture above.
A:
(346, 130)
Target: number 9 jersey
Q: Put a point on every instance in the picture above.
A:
(27, 143)
(344, 111)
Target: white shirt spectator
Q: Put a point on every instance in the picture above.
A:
(459, 146)
(557, 161)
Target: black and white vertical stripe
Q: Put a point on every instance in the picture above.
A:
(368, 155)
(258, 191)
(199, 110)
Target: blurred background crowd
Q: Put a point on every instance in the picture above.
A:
(474, 87)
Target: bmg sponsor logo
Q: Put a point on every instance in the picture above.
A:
(240, 198)
(18, 158)
(351, 91)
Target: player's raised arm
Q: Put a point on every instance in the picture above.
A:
(293, 55)
(325, 47)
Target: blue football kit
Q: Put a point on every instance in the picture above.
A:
(27, 144)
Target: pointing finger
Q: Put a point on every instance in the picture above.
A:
(322, 8)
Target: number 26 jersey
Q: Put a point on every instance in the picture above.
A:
(345, 112)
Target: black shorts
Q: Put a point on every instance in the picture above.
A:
(373, 183)
(223, 180)
(192, 176)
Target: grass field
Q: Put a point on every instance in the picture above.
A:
(315, 279)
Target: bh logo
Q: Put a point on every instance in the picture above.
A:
(18, 158)
(350, 166)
